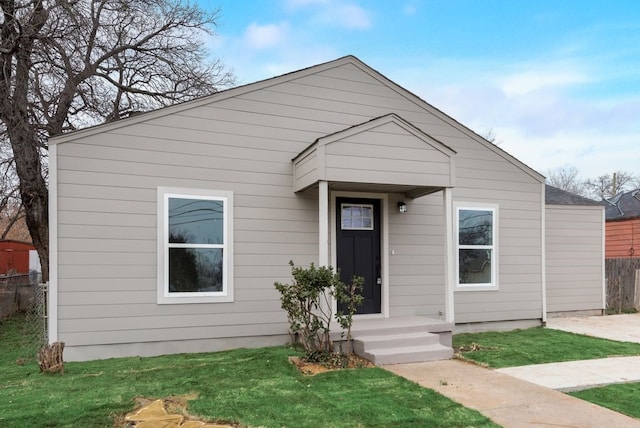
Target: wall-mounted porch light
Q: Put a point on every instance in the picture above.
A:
(402, 207)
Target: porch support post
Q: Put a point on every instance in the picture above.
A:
(323, 223)
(449, 272)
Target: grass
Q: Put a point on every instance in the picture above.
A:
(537, 346)
(257, 387)
(622, 398)
(542, 345)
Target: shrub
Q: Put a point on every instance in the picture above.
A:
(307, 301)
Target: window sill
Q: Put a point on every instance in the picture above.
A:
(476, 288)
(173, 300)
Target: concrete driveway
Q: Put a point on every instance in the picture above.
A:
(623, 328)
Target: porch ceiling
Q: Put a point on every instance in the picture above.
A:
(386, 154)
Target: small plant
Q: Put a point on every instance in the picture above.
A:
(307, 301)
(351, 297)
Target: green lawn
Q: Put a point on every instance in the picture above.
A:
(623, 398)
(542, 345)
(256, 387)
(537, 346)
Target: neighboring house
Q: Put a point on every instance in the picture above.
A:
(16, 257)
(623, 225)
(168, 229)
(575, 254)
(623, 251)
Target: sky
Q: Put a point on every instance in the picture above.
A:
(556, 83)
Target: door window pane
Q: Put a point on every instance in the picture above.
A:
(357, 217)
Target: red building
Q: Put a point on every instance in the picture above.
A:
(14, 256)
(622, 236)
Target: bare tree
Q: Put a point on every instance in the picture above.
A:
(603, 187)
(66, 64)
(567, 178)
(11, 211)
(608, 186)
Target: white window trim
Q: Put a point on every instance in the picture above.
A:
(493, 286)
(163, 295)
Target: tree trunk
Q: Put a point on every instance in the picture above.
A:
(34, 193)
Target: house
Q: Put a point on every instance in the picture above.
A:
(574, 247)
(17, 257)
(623, 225)
(169, 229)
(622, 251)
(19, 268)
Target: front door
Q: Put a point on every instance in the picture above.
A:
(358, 247)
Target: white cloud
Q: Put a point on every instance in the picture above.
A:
(543, 113)
(349, 16)
(333, 13)
(533, 80)
(265, 36)
(294, 4)
(410, 8)
(593, 154)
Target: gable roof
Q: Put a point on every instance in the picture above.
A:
(555, 196)
(623, 207)
(349, 59)
(417, 167)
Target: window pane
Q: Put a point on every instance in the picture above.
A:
(475, 266)
(357, 217)
(196, 221)
(475, 227)
(195, 270)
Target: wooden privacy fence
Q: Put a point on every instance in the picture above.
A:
(623, 284)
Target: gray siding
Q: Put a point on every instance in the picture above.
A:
(416, 269)
(574, 253)
(243, 141)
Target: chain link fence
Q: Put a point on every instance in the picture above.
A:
(21, 295)
(35, 323)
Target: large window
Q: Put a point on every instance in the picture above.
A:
(476, 247)
(194, 246)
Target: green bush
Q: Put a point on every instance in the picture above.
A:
(307, 301)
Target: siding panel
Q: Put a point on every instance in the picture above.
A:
(574, 258)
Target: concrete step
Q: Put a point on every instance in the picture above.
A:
(408, 354)
(362, 342)
(373, 327)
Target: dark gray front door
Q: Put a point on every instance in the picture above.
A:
(358, 247)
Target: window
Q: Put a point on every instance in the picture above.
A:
(476, 240)
(195, 246)
(356, 216)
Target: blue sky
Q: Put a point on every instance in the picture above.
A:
(557, 82)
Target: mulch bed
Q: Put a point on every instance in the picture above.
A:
(312, 368)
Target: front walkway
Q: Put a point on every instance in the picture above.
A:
(526, 397)
(509, 401)
(623, 328)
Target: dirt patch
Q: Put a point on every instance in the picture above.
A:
(170, 412)
(313, 368)
(474, 347)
